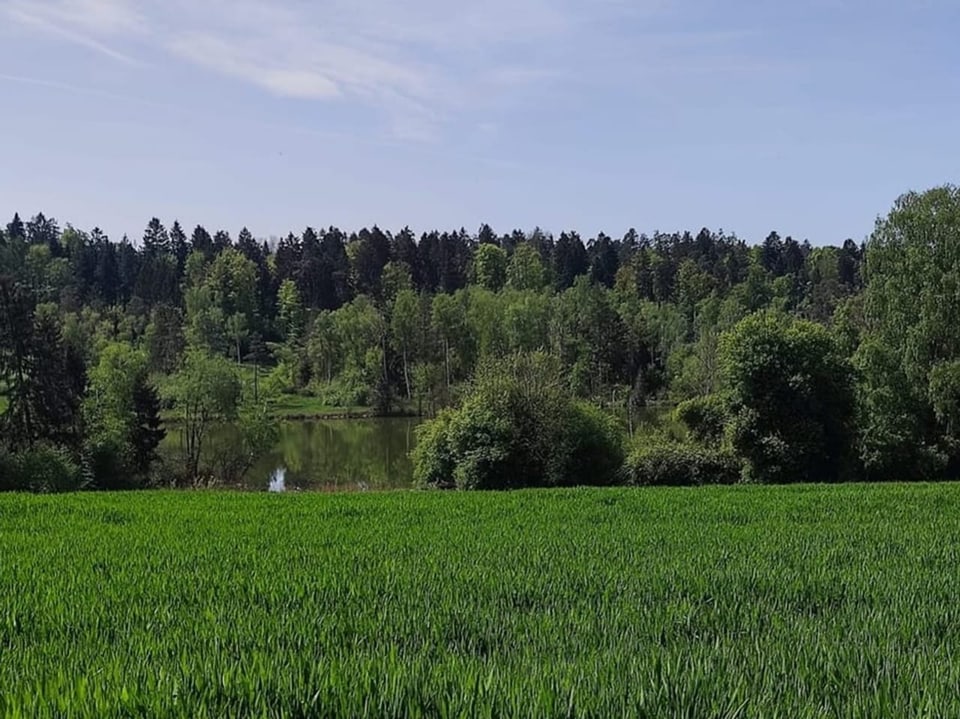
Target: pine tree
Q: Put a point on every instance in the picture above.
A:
(202, 242)
(179, 246)
(156, 239)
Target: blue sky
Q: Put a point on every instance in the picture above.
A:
(747, 115)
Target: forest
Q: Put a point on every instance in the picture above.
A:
(780, 361)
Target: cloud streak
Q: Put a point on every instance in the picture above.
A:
(80, 22)
(417, 63)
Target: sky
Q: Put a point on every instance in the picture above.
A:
(808, 118)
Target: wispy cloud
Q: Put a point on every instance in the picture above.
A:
(82, 22)
(418, 63)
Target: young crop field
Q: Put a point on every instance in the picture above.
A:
(716, 602)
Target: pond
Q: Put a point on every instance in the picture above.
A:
(346, 454)
(329, 455)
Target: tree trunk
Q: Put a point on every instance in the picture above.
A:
(446, 361)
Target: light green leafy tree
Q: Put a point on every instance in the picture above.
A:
(525, 270)
(206, 391)
(489, 268)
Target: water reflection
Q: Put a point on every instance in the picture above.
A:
(329, 455)
(279, 481)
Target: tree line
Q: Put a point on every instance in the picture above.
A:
(392, 321)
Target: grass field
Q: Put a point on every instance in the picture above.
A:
(719, 602)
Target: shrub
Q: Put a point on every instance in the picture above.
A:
(109, 462)
(432, 458)
(704, 417)
(518, 427)
(489, 449)
(792, 396)
(8, 470)
(43, 468)
(671, 464)
(593, 447)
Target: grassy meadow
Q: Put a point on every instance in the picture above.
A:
(808, 601)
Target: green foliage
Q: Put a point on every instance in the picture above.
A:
(945, 395)
(42, 468)
(8, 471)
(290, 313)
(525, 271)
(254, 432)
(792, 400)
(591, 447)
(121, 411)
(206, 323)
(893, 419)
(44, 378)
(433, 459)
(205, 391)
(518, 427)
(490, 267)
(232, 283)
(705, 417)
(405, 323)
(659, 463)
(913, 273)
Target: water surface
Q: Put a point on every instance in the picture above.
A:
(328, 455)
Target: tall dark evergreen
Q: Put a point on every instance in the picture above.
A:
(288, 258)
(569, 260)
(221, 241)
(16, 230)
(156, 239)
(128, 268)
(311, 276)
(106, 274)
(333, 252)
(148, 431)
(200, 241)
(486, 235)
(371, 253)
(45, 379)
(179, 245)
(604, 260)
(404, 249)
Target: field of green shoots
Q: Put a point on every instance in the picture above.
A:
(716, 602)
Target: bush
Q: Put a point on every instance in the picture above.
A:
(432, 459)
(489, 449)
(704, 417)
(348, 389)
(593, 447)
(670, 464)
(518, 427)
(43, 468)
(8, 472)
(110, 464)
(793, 402)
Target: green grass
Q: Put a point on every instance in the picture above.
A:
(294, 405)
(717, 602)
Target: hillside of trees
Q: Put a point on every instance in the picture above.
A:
(97, 334)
